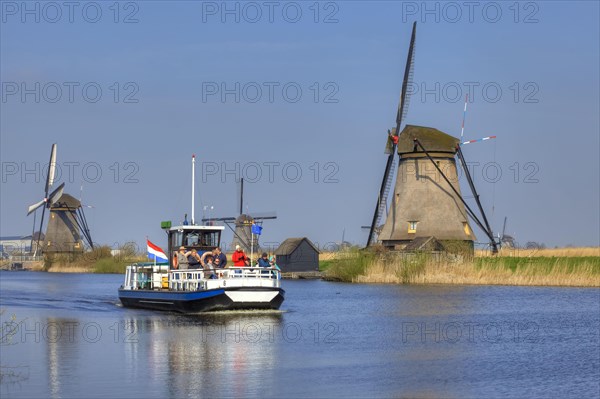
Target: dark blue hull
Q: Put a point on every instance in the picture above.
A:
(198, 301)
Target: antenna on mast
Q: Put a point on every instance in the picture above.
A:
(193, 185)
(462, 129)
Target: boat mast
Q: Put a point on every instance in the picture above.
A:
(193, 186)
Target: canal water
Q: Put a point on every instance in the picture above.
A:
(66, 336)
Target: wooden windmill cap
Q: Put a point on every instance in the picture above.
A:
(432, 139)
(67, 201)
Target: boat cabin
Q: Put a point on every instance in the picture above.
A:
(200, 238)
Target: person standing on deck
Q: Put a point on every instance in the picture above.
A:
(263, 261)
(221, 256)
(182, 258)
(239, 257)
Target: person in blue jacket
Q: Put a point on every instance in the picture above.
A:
(263, 261)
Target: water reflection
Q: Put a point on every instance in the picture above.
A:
(202, 354)
(61, 354)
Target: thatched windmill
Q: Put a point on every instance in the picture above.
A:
(426, 201)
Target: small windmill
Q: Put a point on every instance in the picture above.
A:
(427, 201)
(48, 200)
(67, 221)
(242, 234)
(505, 240)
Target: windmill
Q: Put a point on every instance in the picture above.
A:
(242, 234)
(427, 201)
(48, 200)
(67, 228)
(506, 240)
(67, 220)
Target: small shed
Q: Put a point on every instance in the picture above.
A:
(297, 255)
(424, 244)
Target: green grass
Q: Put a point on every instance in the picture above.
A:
(324, 265)
(110, 265)
(540, 265)
(412, 267)
(348, 265)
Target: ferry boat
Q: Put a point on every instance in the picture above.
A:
(164, 286)
(161, 286)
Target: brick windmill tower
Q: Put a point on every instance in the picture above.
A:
(427, 204)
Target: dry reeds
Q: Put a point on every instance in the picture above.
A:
(545, 252)
(547, 270)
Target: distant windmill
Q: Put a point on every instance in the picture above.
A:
(67, 221)
(427, 201)
(48, 200)
(506, 240)
(242, 235)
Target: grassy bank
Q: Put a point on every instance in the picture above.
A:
(99, 260)
(579, 269)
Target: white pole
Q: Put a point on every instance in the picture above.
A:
(193, 186)
(251, 247)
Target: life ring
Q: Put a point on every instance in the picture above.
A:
(175, 261)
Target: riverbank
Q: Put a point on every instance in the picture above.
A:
(571, 267)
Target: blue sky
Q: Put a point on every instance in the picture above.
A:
(533, 68)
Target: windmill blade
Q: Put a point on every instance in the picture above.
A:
(51, 169)
(55, 195)
(241, 196)
(402, 108)
(478, 140)
(504, 228)
(35, 206)
(264, 215)
(408, 74)
(225, 219)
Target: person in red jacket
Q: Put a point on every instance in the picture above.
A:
(239, 258)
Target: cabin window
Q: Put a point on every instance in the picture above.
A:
(192, 239)
(211, 239)
(412, 227)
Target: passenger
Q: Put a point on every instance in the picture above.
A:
(263, 261)
(182, 258)
(217, 263)
(273, 264)
(194, 260)
(207, 264)
(239, 257)
(221, 256)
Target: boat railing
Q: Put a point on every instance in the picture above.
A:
(158, 276)
(201, 279)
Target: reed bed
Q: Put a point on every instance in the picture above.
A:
(542, 252)
(548, 270)
(98, 260)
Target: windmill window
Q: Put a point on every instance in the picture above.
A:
(412, 227)
(466, 228)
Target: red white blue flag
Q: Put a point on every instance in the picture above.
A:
(156, 253)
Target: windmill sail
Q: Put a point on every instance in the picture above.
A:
(51, 169)
(402, 109)
(48, 200)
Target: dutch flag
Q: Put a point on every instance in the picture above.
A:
(155, 253)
